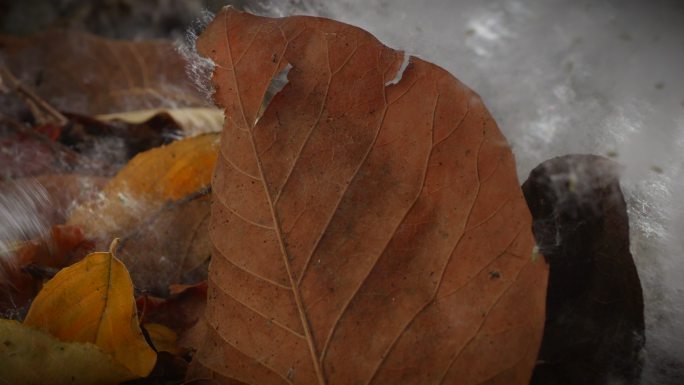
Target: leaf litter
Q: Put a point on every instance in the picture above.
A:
(347, 169)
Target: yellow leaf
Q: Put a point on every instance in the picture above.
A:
(163, 338)
(31, 357)
(145, 184)
(92, 301)
(193, 121)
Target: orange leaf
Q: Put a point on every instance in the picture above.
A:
(145, 184)
(368, 228)
(163, 338)
(92, 301)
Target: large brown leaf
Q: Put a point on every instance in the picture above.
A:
(365, 230)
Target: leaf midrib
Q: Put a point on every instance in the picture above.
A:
(276, 222)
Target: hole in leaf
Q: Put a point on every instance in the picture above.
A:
(278, 82)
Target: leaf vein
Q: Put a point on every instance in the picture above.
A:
(240, 170)
(269, 319)
(342, 195)
(441, 277)
(259, 276)
(258, 361)
(244, 219)
(298, 301)
(482, 323)
(401, 221)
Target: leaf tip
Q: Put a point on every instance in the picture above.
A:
(114, 245)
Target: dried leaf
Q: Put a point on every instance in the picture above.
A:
(31, 357)
(172, 247)
(163, 338)
(368, 228)
(180, 311)
(105, 147)
(146, 184)
(193, 121)
(95, 75)
(92, 301)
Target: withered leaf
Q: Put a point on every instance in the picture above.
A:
(192, 121)
(368, 228)
(94, 75)
(149, 181)
(92, 301)
(163, 338)
(105, 147)
(29, 357)
(180, 311)
(107, 142)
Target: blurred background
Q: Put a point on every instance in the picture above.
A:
(582, 76)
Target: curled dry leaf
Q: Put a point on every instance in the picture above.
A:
(172, 247)
(368, 228)
(92, 301)
(30, 356)
(146, 184)
(105, 147)
(193, 121)
(180, 311)
(163, 338)
(95, 75)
